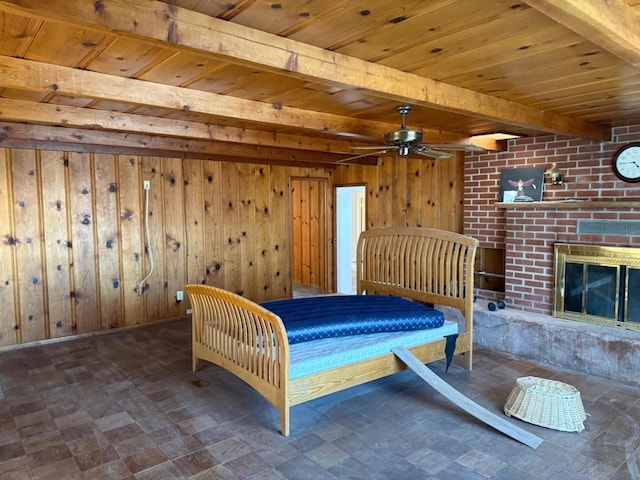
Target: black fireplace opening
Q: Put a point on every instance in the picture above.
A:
(633, 294)
(603, 291)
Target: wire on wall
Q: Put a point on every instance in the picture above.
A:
(147, 187)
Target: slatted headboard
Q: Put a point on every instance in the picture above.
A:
(424, 264)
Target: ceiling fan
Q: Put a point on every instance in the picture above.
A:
(407, 140)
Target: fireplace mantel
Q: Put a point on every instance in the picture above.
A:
(569, 204)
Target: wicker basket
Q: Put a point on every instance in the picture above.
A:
(547, 403)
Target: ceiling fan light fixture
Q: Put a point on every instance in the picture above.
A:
(403, 151)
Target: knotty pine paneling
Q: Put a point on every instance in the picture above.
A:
(247, 222)
(8, 275)
(231, 226)
(133, 265)
(389, 214)
(58, 246)
(310, 240)
(430, 195)
(398, 191)
(296, 215)
(74, 247)
(452, 194)
(262, 205)
(213, 233)
(156, 295)
(279, 250)
(195, 211)
(83, 233)
(305, 190)
(317, 249)
(27, 214)
(413, 191)
(175, 234)
(410, 192)
(108, 244)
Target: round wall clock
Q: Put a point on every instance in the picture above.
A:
(626, 163)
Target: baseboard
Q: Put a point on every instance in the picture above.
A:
(69, 338)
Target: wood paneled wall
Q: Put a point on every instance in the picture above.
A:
(410, 192)
(73, 237)
(309, 224)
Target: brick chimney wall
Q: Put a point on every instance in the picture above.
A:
(528, 233)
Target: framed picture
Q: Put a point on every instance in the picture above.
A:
(521, 185)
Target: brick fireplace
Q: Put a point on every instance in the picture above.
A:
(532, 231)
(527, 232)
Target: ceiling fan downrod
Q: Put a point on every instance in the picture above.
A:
(404, 110)
(404, 138)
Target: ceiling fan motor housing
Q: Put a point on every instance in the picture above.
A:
(403, 136)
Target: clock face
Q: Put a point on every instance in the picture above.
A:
(626, 163)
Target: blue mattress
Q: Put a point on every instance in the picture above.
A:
(314, 318)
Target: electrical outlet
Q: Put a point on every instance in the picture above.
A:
(179, 296)
(147, 185)
(188, 311)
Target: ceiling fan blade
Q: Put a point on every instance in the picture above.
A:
(456, 147)
(375, 147)
(349, 159)
(428, 152)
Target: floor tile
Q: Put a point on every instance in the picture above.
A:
(126, 406)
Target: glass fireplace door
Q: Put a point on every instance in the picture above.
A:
(592, 289)
(597, 284)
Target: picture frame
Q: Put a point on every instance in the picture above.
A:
(521, 185)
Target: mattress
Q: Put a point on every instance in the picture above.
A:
(316, 356)
(314, 318)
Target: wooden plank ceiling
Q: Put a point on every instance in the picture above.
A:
(302, 82)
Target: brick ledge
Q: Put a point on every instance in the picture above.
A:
(598, 350)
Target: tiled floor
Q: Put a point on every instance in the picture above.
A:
(305, 291)
(126, 406)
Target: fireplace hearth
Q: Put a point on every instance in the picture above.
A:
(597, 284)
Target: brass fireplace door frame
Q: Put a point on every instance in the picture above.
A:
(593, 255)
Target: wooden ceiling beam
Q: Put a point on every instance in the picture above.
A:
(60, 80)
(610, 24)
(87, 118)
(12, 134)
(117, 150)
(169, 25)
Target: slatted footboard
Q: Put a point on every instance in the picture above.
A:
(243, 338)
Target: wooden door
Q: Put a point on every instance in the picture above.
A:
(309, 232)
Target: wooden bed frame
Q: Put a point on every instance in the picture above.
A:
(426, 265)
